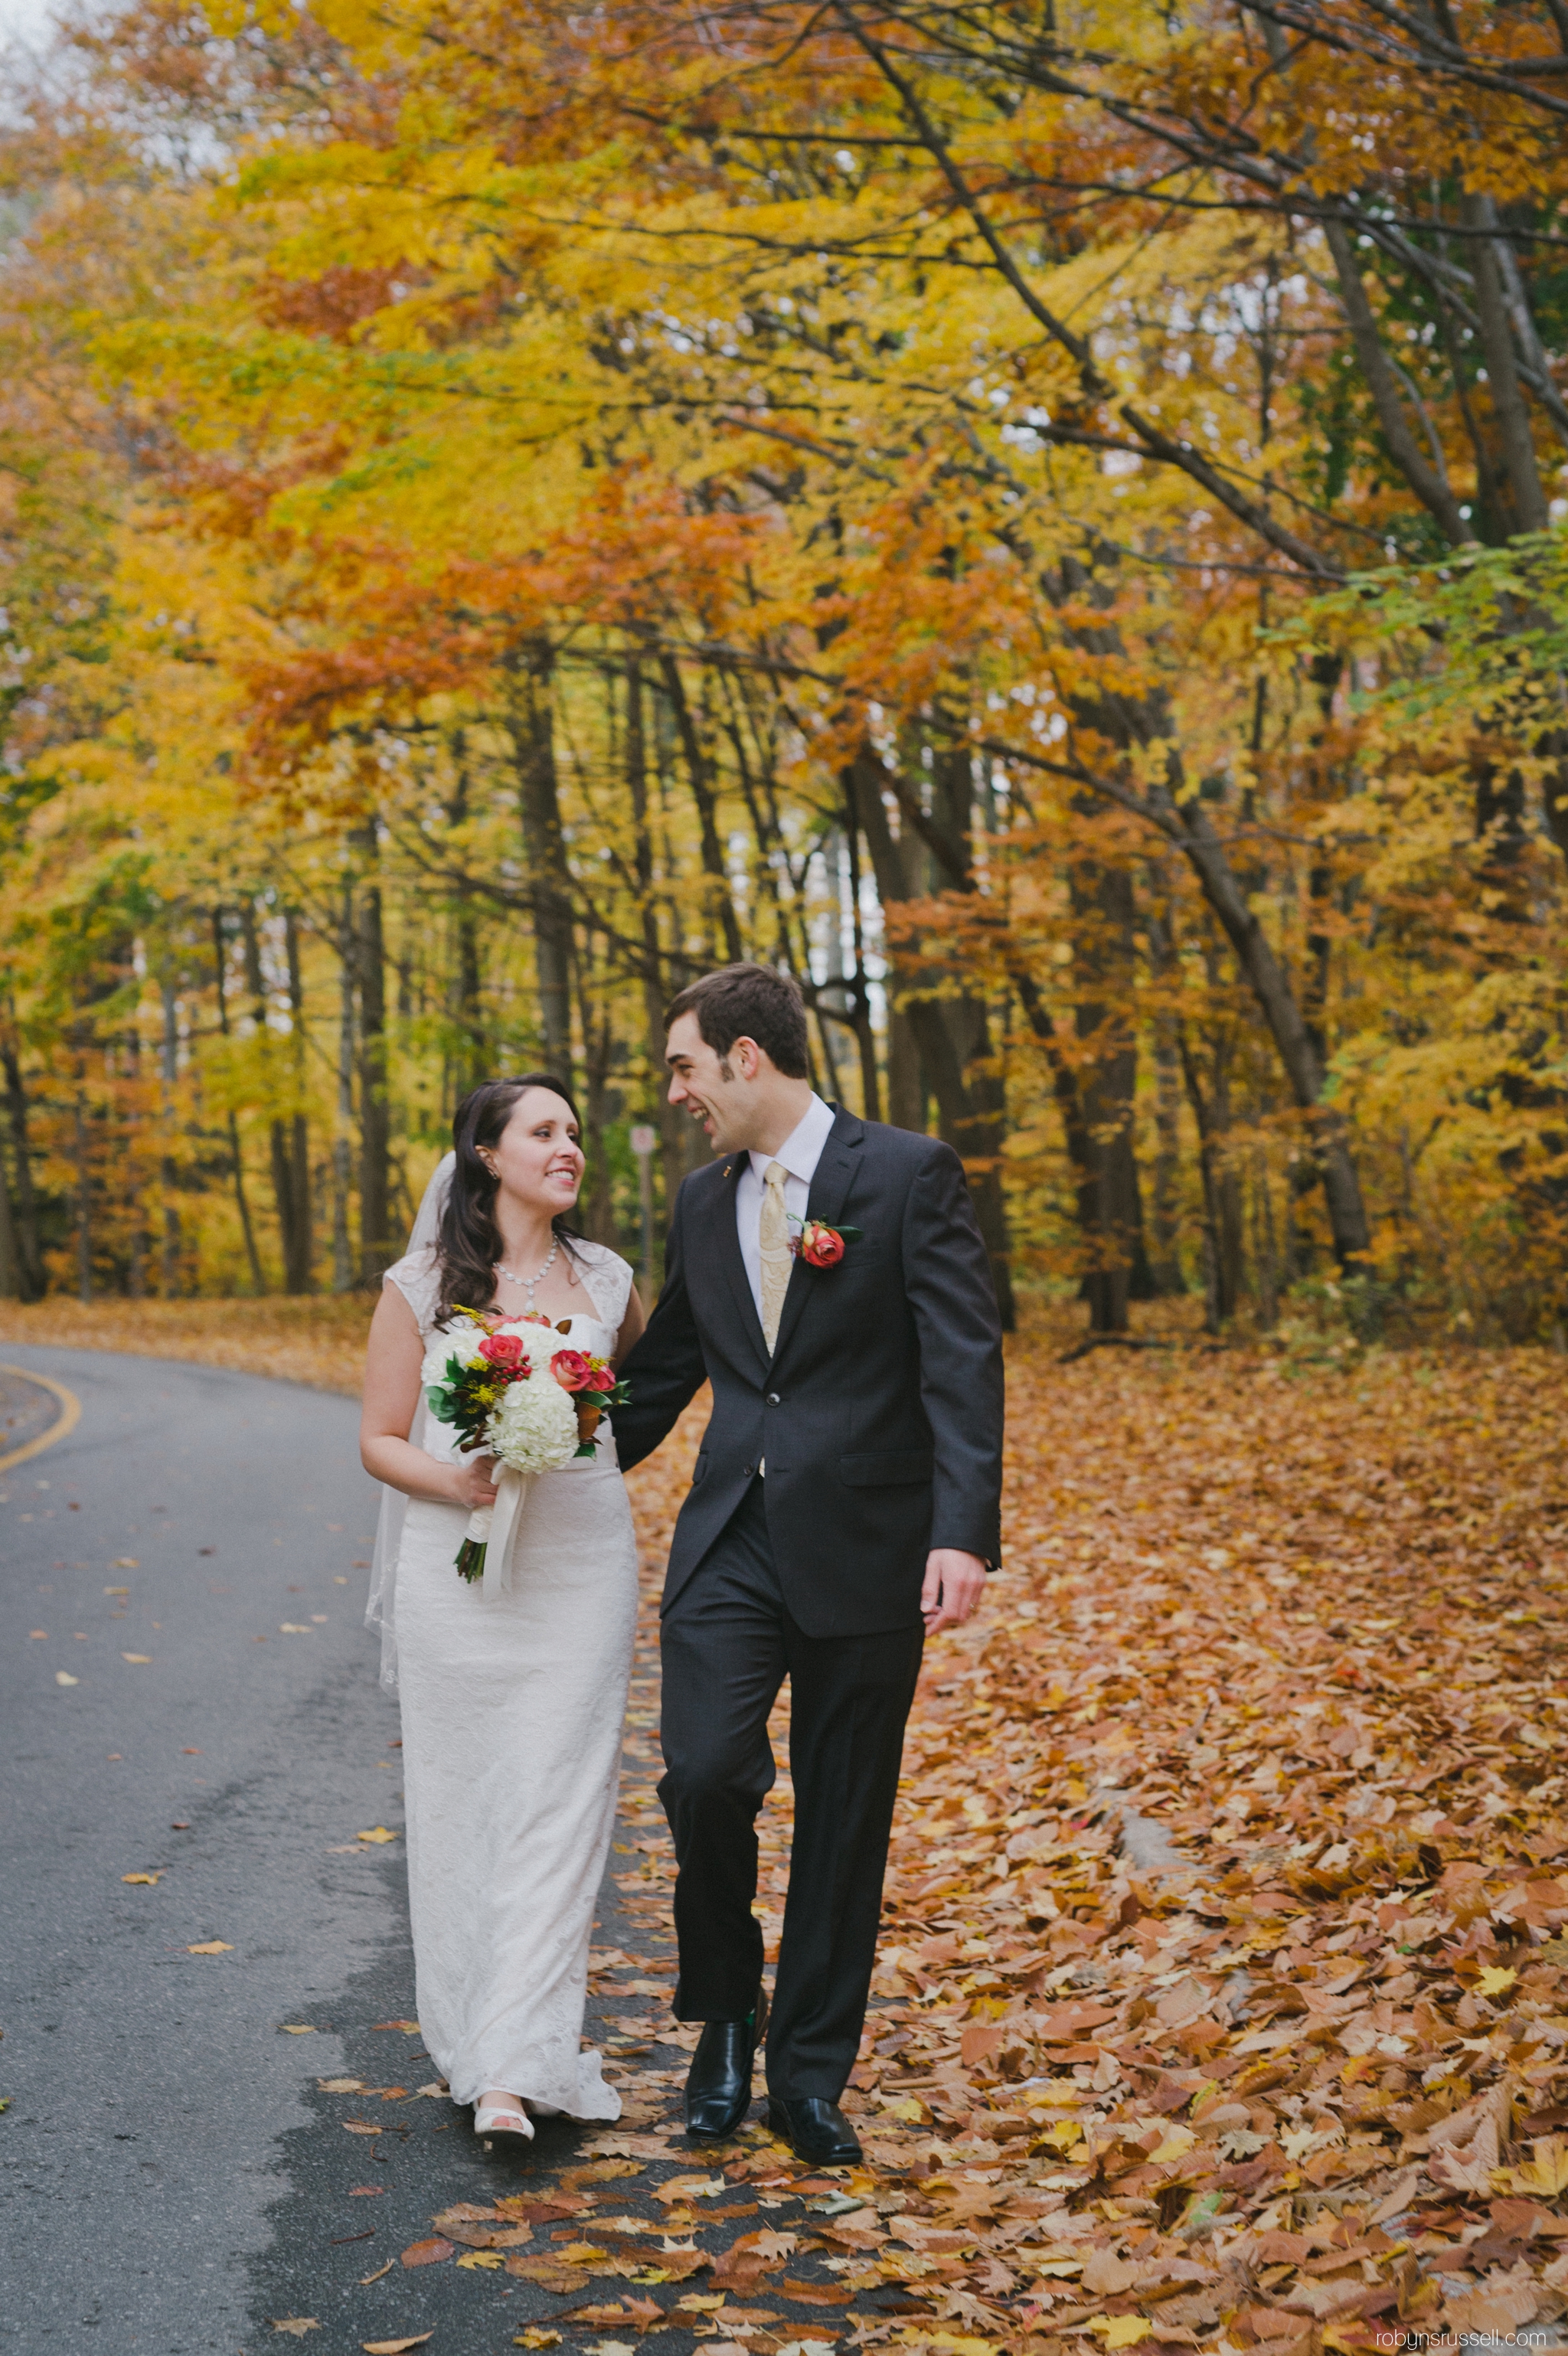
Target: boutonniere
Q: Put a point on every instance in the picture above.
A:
(820, 1246)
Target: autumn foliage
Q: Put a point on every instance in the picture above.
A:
(1045, 522)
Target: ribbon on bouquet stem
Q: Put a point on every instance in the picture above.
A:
(494, 1528)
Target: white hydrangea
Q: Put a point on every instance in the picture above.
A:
(533, 1427)
(460, 1340)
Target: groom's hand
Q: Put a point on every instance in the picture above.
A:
(954, 1583)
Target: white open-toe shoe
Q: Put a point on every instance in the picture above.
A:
(503, 2123)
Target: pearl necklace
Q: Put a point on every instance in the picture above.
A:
(528, 1282)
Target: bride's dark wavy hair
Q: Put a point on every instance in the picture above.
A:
(470, 1242)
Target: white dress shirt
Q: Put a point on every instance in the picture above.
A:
(800, 1153)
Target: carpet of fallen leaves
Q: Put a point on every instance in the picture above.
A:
(1220, 1998)
(1220, 2002)
(319, 1340)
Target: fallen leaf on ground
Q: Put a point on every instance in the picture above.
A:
(395, 2347)
(409, 2027)
(144, 1661)
(296, 2326)
(537, 2337)
(341, 2085)
(298, 2029)
(210, 1947)
(427, 2254)
(64, 1677)
(376, 1833)
(1226, 1894)
(546, 2273)
(148, 1878)
(387, 2269)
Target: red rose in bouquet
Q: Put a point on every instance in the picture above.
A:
(594, 1386)
(502, 1350)
(820, 1247)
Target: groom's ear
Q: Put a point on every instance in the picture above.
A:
(745, 1058)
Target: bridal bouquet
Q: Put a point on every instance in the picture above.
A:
(492, 1380)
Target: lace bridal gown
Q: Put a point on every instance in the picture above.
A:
(512, 1714)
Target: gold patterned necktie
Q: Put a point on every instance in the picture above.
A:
(772, 1236)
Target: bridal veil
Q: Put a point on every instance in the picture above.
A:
(381, 1612)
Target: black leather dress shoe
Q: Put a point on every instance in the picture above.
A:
(719, 2083)
(815, 2129)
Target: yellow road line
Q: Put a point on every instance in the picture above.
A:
(66, 1421)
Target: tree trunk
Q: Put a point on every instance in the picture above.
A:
(674, 1133)
(83, 1206)
(253, 975)
(953, 1035)
(1166, 1263)
(169, 1262)
(532, 718)
(342, 1248)
(29, 1257)
(290, 1139)
(376, 1252)
(906, 1082)
(10, 1258)
(720, 899)
(1111, 1206)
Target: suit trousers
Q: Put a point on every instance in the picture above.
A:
(729, 1641)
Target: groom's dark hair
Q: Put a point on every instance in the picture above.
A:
(750, 1002)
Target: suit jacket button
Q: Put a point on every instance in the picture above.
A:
(747, 1471)
(773, 1399)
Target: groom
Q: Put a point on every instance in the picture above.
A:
(844, 1503)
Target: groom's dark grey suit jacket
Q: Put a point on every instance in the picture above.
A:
(879, 1413)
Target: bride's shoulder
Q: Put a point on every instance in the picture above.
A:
(609, 1277)
(417, 1278)
(598, 1255)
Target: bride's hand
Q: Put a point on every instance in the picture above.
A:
(476, 1482)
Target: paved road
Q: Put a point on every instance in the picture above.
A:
(170, 2178)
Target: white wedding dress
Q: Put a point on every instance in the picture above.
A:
(513, 1709)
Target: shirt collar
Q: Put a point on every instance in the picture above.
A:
(802, 1149)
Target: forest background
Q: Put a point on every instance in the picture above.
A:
(1044, 519)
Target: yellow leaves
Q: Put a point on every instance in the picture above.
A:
(398, 2346)
(1120, 2331)
(1544, 2175)
(1176, 2142)
(536, 2335)
(1494, 1979)
(1064, 2134)
(377, 1834)
(148, 1878)
(689, 2188)
(123, 1562)
(211, 1948)
(64, 1677)
(482, 2261)
(138, 1660)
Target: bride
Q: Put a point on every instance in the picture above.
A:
(512, 1702)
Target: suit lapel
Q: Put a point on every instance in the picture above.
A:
(734, 1267)
(829, 1189)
